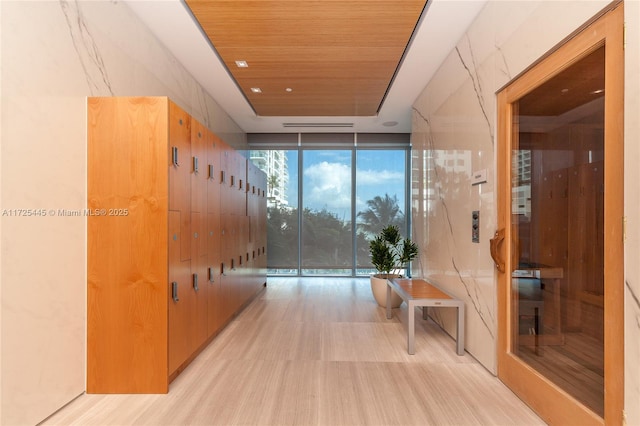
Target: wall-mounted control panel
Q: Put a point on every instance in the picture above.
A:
(475, 226)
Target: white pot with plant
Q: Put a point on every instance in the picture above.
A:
(390, 254)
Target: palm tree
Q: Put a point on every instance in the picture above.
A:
(380, 212)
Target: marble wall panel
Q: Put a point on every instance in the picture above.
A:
(54, 55)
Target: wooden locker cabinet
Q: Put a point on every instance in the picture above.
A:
(181, 297)
(215, 317)
(156, 292)
(179, 146)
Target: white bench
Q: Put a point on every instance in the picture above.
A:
(418, 292)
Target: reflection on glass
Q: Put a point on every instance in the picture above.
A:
(380, 199)
(557, 218)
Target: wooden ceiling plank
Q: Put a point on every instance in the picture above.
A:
(322, 48)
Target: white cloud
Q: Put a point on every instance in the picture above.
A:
(376, 177)
(328, 185)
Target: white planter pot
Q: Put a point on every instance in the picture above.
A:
(379, 289)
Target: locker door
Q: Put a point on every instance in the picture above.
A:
(199, 280)
(199, 170)
(179, 294)
(214, 235)
(180, 172)
(214, 297)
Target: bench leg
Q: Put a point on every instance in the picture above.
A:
(460, 331)
(388, 301)
(411, 328)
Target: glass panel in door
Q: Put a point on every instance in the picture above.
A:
(557, 218)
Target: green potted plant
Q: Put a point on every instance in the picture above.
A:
(390, 254)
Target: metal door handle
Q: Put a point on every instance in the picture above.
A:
(174, 156)
(174, 291)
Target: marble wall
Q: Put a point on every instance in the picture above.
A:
(454, 134)
(54, 55)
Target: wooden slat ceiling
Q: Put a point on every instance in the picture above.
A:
(338, 57)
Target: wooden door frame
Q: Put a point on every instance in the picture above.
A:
(552, 403)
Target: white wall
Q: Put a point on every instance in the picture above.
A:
(454, 120)
(54, 55)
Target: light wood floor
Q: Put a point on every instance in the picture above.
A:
(577, 367)
(317, 351)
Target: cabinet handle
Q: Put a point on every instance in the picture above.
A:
(222, 270)
(233, 268)
(174, 291)
(222, 176)
(195, 164)
(174, 156)
(195, 282)
(211, 275)
(210, 171)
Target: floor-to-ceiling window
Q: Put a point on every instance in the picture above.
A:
(281, 167)
(381, 184)
(327, 243)
(328, 195)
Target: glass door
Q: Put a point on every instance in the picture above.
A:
(561, 284)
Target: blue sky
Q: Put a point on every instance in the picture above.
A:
(327, 178)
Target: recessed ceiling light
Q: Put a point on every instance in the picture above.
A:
(288, 89)
(242, 64)
(256, 90)
(597, 92)
(564, 90)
